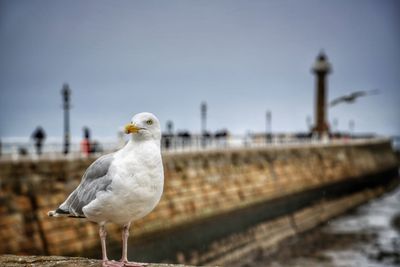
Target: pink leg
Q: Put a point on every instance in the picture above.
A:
(106, 262)
(124, 259)
(103, 234)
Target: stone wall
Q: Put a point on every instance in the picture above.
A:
(267, 235)
(198, 186)
(58, 261)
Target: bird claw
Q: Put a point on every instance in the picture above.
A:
(134, 264)
(108, 263)
(113, 263)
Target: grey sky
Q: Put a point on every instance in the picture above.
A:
(242, 57)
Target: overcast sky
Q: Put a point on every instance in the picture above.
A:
(166, 57)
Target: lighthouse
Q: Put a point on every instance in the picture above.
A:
(321, 68)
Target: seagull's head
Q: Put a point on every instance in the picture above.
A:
(144, 126)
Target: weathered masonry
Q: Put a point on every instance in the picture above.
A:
(217, 205)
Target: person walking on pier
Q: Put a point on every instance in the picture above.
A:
(85, 144)
(38, 137)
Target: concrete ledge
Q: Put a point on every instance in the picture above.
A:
(50, 261)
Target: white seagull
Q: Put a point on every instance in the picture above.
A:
(121, 187)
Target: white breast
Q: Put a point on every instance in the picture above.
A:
(137, 186)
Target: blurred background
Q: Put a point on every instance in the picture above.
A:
(221, 76)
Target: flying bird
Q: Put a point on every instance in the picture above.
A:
(121, 187)
(352, 97)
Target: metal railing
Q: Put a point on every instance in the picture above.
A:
(173, 144)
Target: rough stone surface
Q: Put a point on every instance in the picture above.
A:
(197, 186)
(58, 261)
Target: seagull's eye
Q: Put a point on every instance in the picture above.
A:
(149, 122)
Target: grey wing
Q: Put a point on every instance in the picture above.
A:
(95, 179)
(337, 101)
(358, 94)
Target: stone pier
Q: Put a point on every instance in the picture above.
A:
(217, 205)
(59, 261)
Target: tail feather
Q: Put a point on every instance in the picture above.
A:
(63, 213)
(58, 213)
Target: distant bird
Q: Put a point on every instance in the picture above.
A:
(121, 187)
(352, 97)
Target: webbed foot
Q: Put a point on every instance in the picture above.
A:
(133, 264)
(108, 263)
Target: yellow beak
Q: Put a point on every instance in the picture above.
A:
(131, 128)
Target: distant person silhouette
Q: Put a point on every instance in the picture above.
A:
(168, 136)
(221, 137)
(185, 137)
(38, 137)
(85, 144)
(206, 138)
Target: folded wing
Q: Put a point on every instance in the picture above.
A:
(95, 179)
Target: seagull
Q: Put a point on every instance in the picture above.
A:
(121, 187)
(352, 97)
